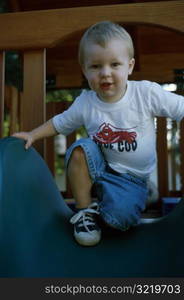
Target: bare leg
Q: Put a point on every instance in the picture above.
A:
(79, 178)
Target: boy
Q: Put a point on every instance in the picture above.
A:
(118, 115)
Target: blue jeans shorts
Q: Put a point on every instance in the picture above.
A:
(121, 197)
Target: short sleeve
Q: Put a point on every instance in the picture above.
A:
(165, 104)
(69, 120)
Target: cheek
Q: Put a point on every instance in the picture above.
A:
(119, 76)
(92, 79)
(122, 75)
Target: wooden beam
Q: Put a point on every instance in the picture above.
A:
(159, 68)
(45, 29)
(154, 67)
(33, 97)
(160, 40)
(2, 87)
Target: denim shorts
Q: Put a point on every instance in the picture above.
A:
(121, 197)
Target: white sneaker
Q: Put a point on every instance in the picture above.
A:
(86, 230)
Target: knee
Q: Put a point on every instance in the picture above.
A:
(77, 155)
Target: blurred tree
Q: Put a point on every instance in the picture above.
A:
(62, 95)
(13, 72)
(13, 69)
(3, 6)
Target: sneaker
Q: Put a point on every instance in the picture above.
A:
(86, 230)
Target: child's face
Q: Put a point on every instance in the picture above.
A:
(107, 69)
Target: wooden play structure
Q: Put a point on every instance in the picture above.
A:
(35, 34)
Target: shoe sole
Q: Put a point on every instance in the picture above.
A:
(87, 243)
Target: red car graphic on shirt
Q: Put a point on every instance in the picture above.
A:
(108, 134)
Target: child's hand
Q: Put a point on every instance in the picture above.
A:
(25, 136)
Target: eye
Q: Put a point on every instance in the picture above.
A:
(115, 64)
(95, 66)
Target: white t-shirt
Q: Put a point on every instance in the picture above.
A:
(124, 129)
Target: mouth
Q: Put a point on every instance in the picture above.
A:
(105, 85)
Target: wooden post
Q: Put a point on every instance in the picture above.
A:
(50, 153)
(32, 109)
(162, 157)
(2, 83)
(14, 109)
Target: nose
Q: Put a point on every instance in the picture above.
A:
(105, 71)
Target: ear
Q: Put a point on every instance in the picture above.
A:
(131, 66)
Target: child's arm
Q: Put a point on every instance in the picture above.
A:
(45, 130)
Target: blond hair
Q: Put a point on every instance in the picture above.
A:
(101, 33)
